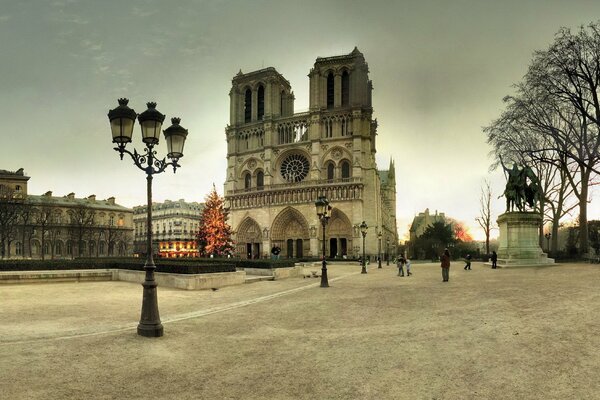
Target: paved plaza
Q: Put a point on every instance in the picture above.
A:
(520, 333)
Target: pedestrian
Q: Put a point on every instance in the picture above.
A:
(408, 273)
(400, 266)
(494, 260)
(468, 262)
(445, 265)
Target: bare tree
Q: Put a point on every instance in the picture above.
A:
(26, 222)
(42, 217)
(82, 220)
(557, 106)
(485, 217)
(10, 210)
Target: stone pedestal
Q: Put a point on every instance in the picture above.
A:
(519, 240)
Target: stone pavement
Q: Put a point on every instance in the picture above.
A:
(527, 333)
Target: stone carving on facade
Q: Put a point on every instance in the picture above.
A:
(252, 164)
(336, 154)
(349, 145)
(324, 147)
(240, 160)
(262, 156)
(265, 233)
(313, 231)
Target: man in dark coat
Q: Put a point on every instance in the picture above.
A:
(445, 265)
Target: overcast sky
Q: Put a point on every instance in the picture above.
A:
(439, 69)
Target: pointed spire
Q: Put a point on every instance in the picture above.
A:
(392, 169)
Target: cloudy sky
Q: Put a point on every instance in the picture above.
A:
(439, 68)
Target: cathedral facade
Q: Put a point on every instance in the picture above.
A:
(279, 162)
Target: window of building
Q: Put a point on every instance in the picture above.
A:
(69, 248)
(330, 90)
(46, 248)
(345, 170)
(58, 248)
(345, 89)
(248, 105)
(260, 180)
(330, 171)
(102, 248)
(92, 247)
(19, 248)
(281, 104)
(261, 102)
(18, 188)
(111, 220)
(247, 181)
(328, 128)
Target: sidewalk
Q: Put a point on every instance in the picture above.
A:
(510, 333)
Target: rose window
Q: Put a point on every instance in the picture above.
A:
(294, 168)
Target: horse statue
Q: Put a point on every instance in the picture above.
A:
(518, 191)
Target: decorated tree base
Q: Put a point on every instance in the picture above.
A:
(519, 240)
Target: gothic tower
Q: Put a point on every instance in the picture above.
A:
(279, 162)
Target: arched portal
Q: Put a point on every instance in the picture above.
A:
(339, 233)
(249, 239)
(290, 233)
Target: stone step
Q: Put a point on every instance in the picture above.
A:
(257, 278)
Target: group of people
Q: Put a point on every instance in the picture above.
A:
(445, 264)
(402, 262)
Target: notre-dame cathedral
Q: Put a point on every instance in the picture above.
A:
(279, 162)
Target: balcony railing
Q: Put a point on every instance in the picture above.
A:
(302, 192)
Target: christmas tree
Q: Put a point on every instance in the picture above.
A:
(214, 236)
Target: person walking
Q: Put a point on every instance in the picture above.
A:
(408, 273)
(494, 260)
(468, 262)
(445, 265)
(400, 266)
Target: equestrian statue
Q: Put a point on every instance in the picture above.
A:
(522, 188)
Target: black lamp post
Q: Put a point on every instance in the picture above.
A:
(387, 251)
(379, 235)
(323, 208)
(122, 120)
(548, 236)
(363, 230)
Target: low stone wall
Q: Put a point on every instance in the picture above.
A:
(179, 281)
(276, 273)
(185, 281)
(12, 277)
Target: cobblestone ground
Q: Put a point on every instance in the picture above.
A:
(529, 333)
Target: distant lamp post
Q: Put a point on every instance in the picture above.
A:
(387, 251)
(323, 209)
(363, 230)
(548, 236)
(379, 236)
(122, 120)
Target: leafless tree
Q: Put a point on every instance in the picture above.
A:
(485, 217)
(10, 209)
(558, 102)
(81, 221)
(42, 218)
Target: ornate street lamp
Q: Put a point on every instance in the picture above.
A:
(387, 250)
(122, 120)
(363, 230)
(548, 236)
(379, 235)
(323, 209)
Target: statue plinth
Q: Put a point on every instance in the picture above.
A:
(519, 240)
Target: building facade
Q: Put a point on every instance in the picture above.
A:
(52, 227)
(175, 225)
(279, 162)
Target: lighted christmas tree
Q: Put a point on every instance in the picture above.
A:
(214, 236)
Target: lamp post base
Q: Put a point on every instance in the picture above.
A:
(324, 281)
(364, 269)
(150, 325)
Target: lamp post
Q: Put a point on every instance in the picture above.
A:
(387, 251)
(122, 120)
(363, 230)
(548, 236)
(323, 209)
(379, 235)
